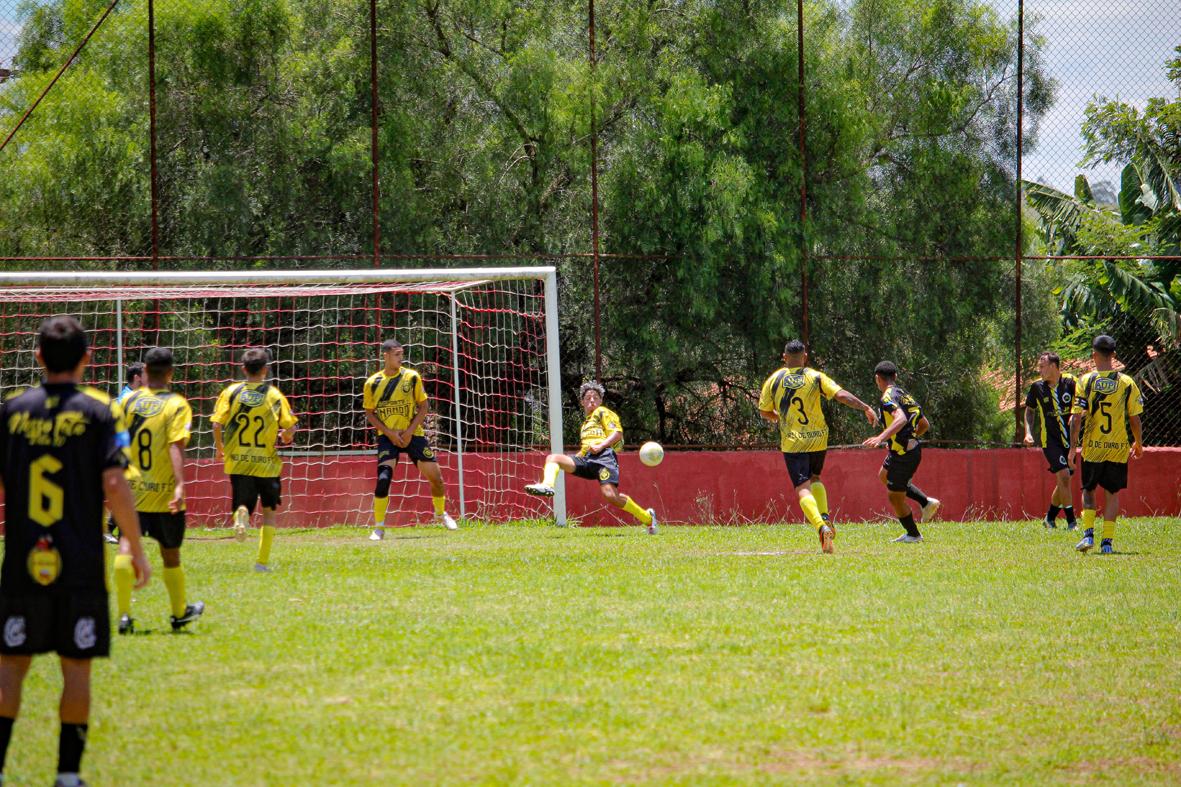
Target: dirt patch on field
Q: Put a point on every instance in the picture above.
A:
(795, 762)
(1085, 770)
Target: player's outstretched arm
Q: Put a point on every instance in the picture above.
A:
(896, 425)
(121, 503)
(849, 400)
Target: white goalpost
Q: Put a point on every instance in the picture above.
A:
(485, 341)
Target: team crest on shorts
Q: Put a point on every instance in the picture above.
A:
(604, 474)
(85, 633)
(427, 453)
(14, 631)
(45, 562)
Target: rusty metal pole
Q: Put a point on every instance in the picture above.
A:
(594, 167)
(1018, 244)
(805, 327)
(373, 118)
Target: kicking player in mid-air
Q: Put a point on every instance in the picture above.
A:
(396, 405)
(1106, 404)
(62, 451)
(601, 434)
(1050, 398)
(249, 420)
(907, 424)
(791, 398)
(159, 422)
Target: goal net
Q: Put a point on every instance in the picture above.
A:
(484, 340)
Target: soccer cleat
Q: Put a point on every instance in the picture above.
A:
(447, 521)
(929, 510)
(241, 520)
(378, 534)
(192, 612)
(826, 535)
(1049, 525)
(126, 624)
(1072, 526)
(110, 538)
(262, 568)
(67, 781)
(541, 490)
(1106, 548)
(906, 538)
(652, 523)
(1086, 544)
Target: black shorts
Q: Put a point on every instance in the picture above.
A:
(1056, 456)
(249, 489)
(419, 450)
(1112, 476)
(802, 466)
(167, 528)
(603, 467)
(75, 625)
(900, 468)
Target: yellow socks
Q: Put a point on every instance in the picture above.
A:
(266, 535)
(1088, 519)
(124, 579)
(174, 580)
(1108, 529)
(440, 504)
(811, 510)
(380, 504)
(821, 495)
(549, 476)
(640, 514)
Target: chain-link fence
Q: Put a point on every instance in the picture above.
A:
(954, 186)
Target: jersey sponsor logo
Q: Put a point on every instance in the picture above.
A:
(147, 406)
(794, 381)
(251, 398)
(1066, 397)
(15, 633)
(48, 431)
(85, 633)
(1105, 385)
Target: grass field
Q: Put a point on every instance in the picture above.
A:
(991, 653)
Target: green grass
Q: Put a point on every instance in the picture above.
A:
(991, 653)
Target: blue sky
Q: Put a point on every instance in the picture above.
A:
(1112, 48)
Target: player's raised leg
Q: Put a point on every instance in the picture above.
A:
(554, 464)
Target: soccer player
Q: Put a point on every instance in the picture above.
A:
(1050, 398)
(396, 405)
(135, 381)
(907, 424)
(1106, 404)
(159, 423)
(61, 453)
(791, 397)
(601, 432)
(248, 420)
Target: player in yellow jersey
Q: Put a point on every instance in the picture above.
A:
(159, 423)
(601, 434)
(791, 397)
(249, 419)
(1048, 403)
(396, 405)
(907, 425)
(1107, 404)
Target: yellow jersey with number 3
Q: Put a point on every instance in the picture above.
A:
(251, 415)
(395, 398)
(595, 429)
(1106, 400)
(155, 420)
(793, 394)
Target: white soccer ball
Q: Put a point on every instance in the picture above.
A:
(651, 454)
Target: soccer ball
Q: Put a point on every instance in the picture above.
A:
(651, 454)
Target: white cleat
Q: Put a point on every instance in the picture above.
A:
(930, 509)
(448, 522)
(378, 534)
(241, 521)
(826, 536)
(262, 568)
(541, 490)
(908, 539)
(653, 523)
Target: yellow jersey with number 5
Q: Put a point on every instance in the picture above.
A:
(155, 420)
(793, 394)
(1106, 400)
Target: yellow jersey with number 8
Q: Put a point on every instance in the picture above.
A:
(155, 420)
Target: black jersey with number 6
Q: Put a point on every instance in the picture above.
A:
(55, 442)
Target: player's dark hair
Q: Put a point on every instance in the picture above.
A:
(134, 370)
(1050, 357)
(62, 342)
(886, 370)
(390, 344)
(794, 347)
(158, 362)
(254, 359)
(1103, 344)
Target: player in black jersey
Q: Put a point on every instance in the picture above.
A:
(906, 424)
(1048, 404)
(61, 453)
